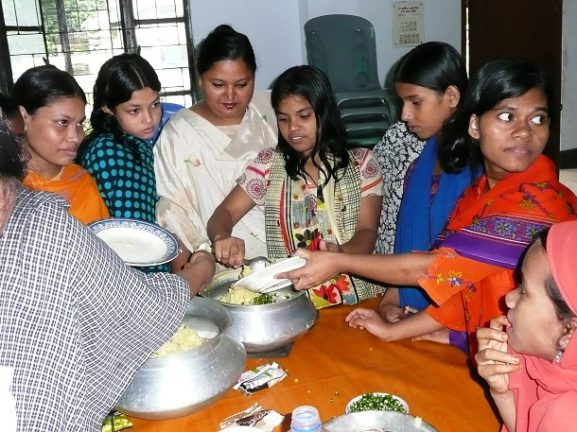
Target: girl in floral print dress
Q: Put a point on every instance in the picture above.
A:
(317, 194)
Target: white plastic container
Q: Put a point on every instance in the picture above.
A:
(305, 418)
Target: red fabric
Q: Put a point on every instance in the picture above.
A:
(469, 293)
(546, 392)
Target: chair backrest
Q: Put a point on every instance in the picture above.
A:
(168, 110)
(343, 46)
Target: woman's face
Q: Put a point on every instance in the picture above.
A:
(297, 123)
(53, 134)
(512, 134)
(140, 115)
(425, 110)
(534, 326)
(228, 87)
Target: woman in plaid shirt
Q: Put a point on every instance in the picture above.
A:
(75, 321)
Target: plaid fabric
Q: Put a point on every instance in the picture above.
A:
(75, 322)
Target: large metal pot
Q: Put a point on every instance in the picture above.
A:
(365, 421)
(179, 384)
(268, 327)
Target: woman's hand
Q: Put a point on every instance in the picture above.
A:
(198, 271)
(369, 320)
(229, 250)
(493, 362)
(391, 313)
(182, 259)
(320, 267)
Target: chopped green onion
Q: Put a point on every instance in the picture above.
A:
(371, 401)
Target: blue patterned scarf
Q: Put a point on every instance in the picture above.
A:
(422, 217)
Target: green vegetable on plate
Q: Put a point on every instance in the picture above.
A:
(371, 401)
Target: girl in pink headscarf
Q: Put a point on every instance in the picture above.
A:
(531, 367)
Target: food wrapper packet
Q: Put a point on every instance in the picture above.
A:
(254, 416)
(259, 378)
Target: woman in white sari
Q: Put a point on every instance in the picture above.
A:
(204, 149)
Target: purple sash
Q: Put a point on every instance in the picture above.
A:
(497, 240)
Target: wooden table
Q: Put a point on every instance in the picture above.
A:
(332, 363)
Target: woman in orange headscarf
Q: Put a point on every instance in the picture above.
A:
(52, 106)
(531, 367)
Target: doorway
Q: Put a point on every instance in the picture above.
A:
(530, 29)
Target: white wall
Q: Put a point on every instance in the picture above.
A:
(569, 77)
(275, 27)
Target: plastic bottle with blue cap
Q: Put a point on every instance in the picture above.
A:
(305, 418)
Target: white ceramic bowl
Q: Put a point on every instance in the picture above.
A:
(400, 400)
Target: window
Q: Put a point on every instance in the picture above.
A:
(80, 35)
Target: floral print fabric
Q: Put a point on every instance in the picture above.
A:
(486, 235)
(308, 218)
(395, 153)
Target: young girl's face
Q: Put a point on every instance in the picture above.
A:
(141, 114)
(512, 134)
(425, 110)
(53, 134)
(534, 326)
(297, 123)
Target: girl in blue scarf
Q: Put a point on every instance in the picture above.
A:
(430, 80)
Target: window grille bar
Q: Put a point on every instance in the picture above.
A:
(6, 79)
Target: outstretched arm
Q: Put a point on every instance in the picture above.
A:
(418, 324)
(401, 269)
(227, 249)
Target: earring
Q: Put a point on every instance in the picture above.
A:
(558, 357)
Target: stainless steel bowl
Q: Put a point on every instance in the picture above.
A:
(268, 327)
(377, 421)
(179, 384)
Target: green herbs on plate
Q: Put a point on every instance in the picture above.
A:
(372, 401)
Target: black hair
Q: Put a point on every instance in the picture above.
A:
(312, 84)
(224, 43)
(8, 107)
(11, 162)
(40, 86)
(494, 82)
(117, 79)
(434, 65)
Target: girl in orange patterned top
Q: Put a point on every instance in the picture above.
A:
(505, 119)
(52, 106)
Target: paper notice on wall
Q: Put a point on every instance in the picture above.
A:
(408, 23)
